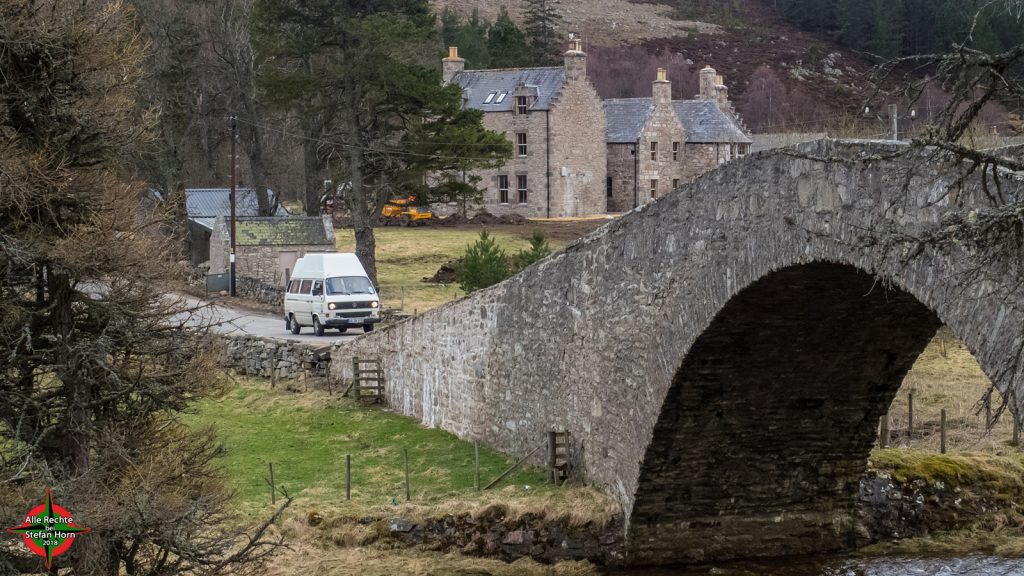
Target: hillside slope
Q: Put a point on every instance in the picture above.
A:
(780, 77)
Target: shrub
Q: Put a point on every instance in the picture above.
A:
(483, 265)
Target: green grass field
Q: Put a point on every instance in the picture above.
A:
(307, 435)
(407, 255)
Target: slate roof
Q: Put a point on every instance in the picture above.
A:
(703, 121)
(293, 231)
(626, 118)
(213, 202)
(478, 84)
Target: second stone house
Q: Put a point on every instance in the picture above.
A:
(656, 144)
(555, 120)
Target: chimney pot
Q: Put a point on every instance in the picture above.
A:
(453, 52)
(662, 76)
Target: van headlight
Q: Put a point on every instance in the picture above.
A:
(331, 306)
(374, 304)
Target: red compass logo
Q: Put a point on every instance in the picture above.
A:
(48, 529)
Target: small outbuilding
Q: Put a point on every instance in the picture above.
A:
(266, 248)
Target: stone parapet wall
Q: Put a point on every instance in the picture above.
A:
(266, 357)
(260, 291)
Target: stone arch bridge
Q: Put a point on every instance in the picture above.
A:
(722, 356)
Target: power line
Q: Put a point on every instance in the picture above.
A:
(392, 151)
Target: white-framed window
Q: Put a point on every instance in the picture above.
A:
(654, 151)
(675, 183)
(490, 97)
(522, 104)
(654, 188)
(675, 151)
(503, 188)
(521, 188)
(521, 143)
(501, 98)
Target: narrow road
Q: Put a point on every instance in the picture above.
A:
(228, 320)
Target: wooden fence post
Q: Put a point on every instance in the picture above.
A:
(883, 431)
(476, 465)
(910, 415)
(273, 489)
(405, 453)
(942, 431)
(348, 476)
(552, 447)
(1015, 441)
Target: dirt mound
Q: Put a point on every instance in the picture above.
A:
(481, 219)
(488, 218)
(446, 273)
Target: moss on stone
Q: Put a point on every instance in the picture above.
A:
(1002, 476)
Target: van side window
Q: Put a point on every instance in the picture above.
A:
(305, 286)
(293, 286)
(318, 287)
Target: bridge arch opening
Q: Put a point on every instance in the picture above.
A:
(766, 428)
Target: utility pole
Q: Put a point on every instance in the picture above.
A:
(233, 162)
(894, 117)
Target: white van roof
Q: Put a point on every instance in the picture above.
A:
(328, 265)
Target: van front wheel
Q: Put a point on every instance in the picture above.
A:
(294, 325)
(367, 327)
(318, 328)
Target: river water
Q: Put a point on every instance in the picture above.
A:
(962, 566)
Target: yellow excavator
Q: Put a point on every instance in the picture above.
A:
(401, 211)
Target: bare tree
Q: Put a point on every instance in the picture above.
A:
(96, 362)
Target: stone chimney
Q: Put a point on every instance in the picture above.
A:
(451, 65)
(661, 89)
(721, 93)
(575, 59)
(708, 81)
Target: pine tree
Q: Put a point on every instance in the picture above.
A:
(539, 250)
(485, 264)
(471, 39)
(542, 22)
(506, 43)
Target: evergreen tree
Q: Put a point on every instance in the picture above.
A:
(484, 264)
(451, 24)
(363, 77)
(506, 43)
(542, 23)
(471, 39)
(539, 249)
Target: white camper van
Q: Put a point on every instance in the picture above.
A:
(330, 291)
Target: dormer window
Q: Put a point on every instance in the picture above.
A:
(501, 98)
(490, 97)
(522, 104)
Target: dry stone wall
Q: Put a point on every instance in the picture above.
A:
(266, 357)
(629, 340)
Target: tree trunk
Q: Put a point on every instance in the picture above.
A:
(258, 167)
(362, 216)
(313, 181)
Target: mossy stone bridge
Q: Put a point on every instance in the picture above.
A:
(722, 356)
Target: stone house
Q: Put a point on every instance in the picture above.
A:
(266, 248)
(205, 205)
(656, 144)
(555, 120)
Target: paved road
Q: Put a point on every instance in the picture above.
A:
(236, 321)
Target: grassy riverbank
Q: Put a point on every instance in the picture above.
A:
(306, 436)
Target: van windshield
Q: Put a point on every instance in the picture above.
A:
(349, 285)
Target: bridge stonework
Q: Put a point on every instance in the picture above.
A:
(722, 355)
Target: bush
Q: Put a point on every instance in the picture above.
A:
(483, 265)
(539, 250)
